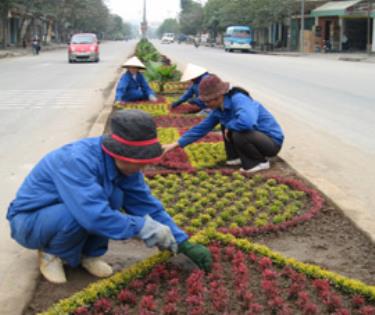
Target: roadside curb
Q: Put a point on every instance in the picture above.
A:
(24, 52)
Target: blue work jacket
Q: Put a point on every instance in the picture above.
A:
(240, 113)
(130, 90)
(84, 178)
(192, 93)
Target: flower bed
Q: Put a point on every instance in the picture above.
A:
(176, 159)
(152, 109)
(170, 87)
(185, 108)
(203, 155)
(211, 137)
(247, 278)
(233, 202)
(168, 135)
(183, 122)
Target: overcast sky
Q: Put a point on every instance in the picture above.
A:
(157, 10)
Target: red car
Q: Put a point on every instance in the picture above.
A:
(83, 47)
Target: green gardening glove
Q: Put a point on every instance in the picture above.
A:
(197, 253)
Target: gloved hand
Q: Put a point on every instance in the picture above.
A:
(175, 104)
(154, 233)
(197, 253)
(152, 98)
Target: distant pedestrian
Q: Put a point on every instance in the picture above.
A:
(251, 134)
(133, 86)
(35, 45)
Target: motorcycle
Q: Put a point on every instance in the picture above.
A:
(35, 45)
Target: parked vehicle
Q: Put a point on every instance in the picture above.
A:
(83, 47)
(238, 38)
(168, 38)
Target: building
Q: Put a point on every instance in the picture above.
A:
(344, 25)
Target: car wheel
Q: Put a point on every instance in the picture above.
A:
(97, 60)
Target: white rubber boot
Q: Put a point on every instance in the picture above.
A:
(97, 267)
(51, 267)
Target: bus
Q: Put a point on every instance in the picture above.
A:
(238, 38)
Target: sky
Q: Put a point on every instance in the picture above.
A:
(157, 10)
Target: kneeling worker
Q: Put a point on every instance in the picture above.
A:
(133, 86)
(195, 75)
(68, 207)
(251, 133)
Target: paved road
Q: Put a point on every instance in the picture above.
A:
(44, 103)
(327, 109)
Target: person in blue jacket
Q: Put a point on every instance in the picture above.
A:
(195, 74)
(251, 133)
(133, 86)
(87, 192)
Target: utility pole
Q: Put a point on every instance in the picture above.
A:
(302, 37)
(369, 7)
(144, 21)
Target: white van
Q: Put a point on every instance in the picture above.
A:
(168, 38)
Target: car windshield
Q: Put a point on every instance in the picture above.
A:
(83, 39)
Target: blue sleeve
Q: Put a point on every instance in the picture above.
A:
(78, 187)
(189, 93)
(121, 87)
(246, 113)
(146, 87)
(199, 130)
(139, 201)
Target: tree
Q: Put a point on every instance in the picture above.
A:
(191, 17)
(168, 26)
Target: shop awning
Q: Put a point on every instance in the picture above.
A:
(334, 8)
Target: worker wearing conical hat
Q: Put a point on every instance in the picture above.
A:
(133, 86)
(195, 75)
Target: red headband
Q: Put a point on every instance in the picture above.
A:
(126, 159)
(134, 143)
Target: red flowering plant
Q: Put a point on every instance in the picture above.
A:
(242, 281)
(181, 122)
(185, 108)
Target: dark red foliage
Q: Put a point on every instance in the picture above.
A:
(210, 137)
(181, 122)
(127, 297)
(148, 303)
(136, 284)
(170, 309)
(176, 159)
(358, 301)
(265, 262)
(172, 296)
(185, 108)
(103, 305)
(367, 310)
(81, 311)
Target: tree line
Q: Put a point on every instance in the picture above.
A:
(69, 16)
(216, 15)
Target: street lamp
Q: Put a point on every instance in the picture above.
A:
(302, 25)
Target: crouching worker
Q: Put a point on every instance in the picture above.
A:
(195, 75)
(251, 133)
(69, 205)
(133, 86)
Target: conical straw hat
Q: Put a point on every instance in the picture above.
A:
(133, 62)
(192, 72)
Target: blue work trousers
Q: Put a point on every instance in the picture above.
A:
(54, 230)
